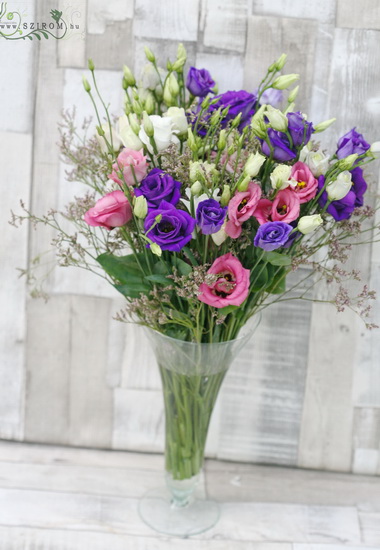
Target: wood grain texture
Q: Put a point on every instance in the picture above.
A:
(167, 20)
(323, 11)
(353, 15)
(268, 38)
(227, 71)
(66, 398)
(100, 13)
(327, 414)
(224, 24)
(114, 47)
(14, 255)
(71, 52)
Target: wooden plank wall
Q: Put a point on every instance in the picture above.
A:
(306, 392)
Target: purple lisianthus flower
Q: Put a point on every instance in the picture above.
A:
(199, 82)
(174, 230)
(271, 96)
(158, 186)
(272, 235)
(210, 216)
(238, 102)
(359, 185)
(292, 236)
(280, 144)
(339, 210)
(299, 129)
(351, 143)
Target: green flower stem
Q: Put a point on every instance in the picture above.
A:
(189, 402)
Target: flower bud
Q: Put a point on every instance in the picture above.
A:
(284, 81)
(149, 104)
(236, 121)
(86, 84)
(191, 140)
(156, 249)
(293, 94)
(290, 108)
(253, 164)
(100, 131)
(243, 185)
(220, 236)
(259, 128)
(308, 224)
(158, 218)
(196, 188)
(90, 64)
(181, 53)
(317, 161)
(339, 188)
(148, 125)
(279, 178)
(140, 208)
(323, 125)
(348, 162)
(136, 107)
(173, 85)
(128, 75)
(133, 122)
(277, 119)
(281, 61)
(222, 141)
(226, 195)
(375, 148)
(149, 54)
(168, 99)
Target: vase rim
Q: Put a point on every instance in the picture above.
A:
(253, 323)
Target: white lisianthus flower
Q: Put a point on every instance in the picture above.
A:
(220, 236)
(179, 121)
(199, 199)
(308, 224)
(277, 119)
(339, 188)
(375, 148)
(253, 164)
(150, 79)
(116, 141)
(279, 178)
(163, 134)
(202, 171)
(128, 137)
(317, 161)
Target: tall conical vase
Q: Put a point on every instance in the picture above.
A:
(192, 375)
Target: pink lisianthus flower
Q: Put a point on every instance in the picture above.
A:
(307, 185)
(112, 210)
(129, 162)
(284, 208)
(263, 211)
(240, 208)
(232, 285)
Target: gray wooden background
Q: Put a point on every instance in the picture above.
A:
(307, 391)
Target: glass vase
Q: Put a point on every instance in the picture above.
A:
(192, 375)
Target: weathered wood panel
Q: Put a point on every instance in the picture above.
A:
(358, 15)
(14, 254)
(167, 20)
(224, 24)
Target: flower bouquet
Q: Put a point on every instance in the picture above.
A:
(201, 205)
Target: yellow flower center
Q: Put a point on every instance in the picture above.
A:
(301, 184)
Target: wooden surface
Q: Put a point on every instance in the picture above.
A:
(306, 392)
(56, 498)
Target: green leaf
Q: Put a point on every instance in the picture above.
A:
(161, 268)
(122, 268)
(275, 258)
(133, 290)
(259, 277)
(189, 254)
(161, 279)
(276, 279)
(228, 309)
(182, 266)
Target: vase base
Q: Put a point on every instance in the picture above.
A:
(157, 510)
